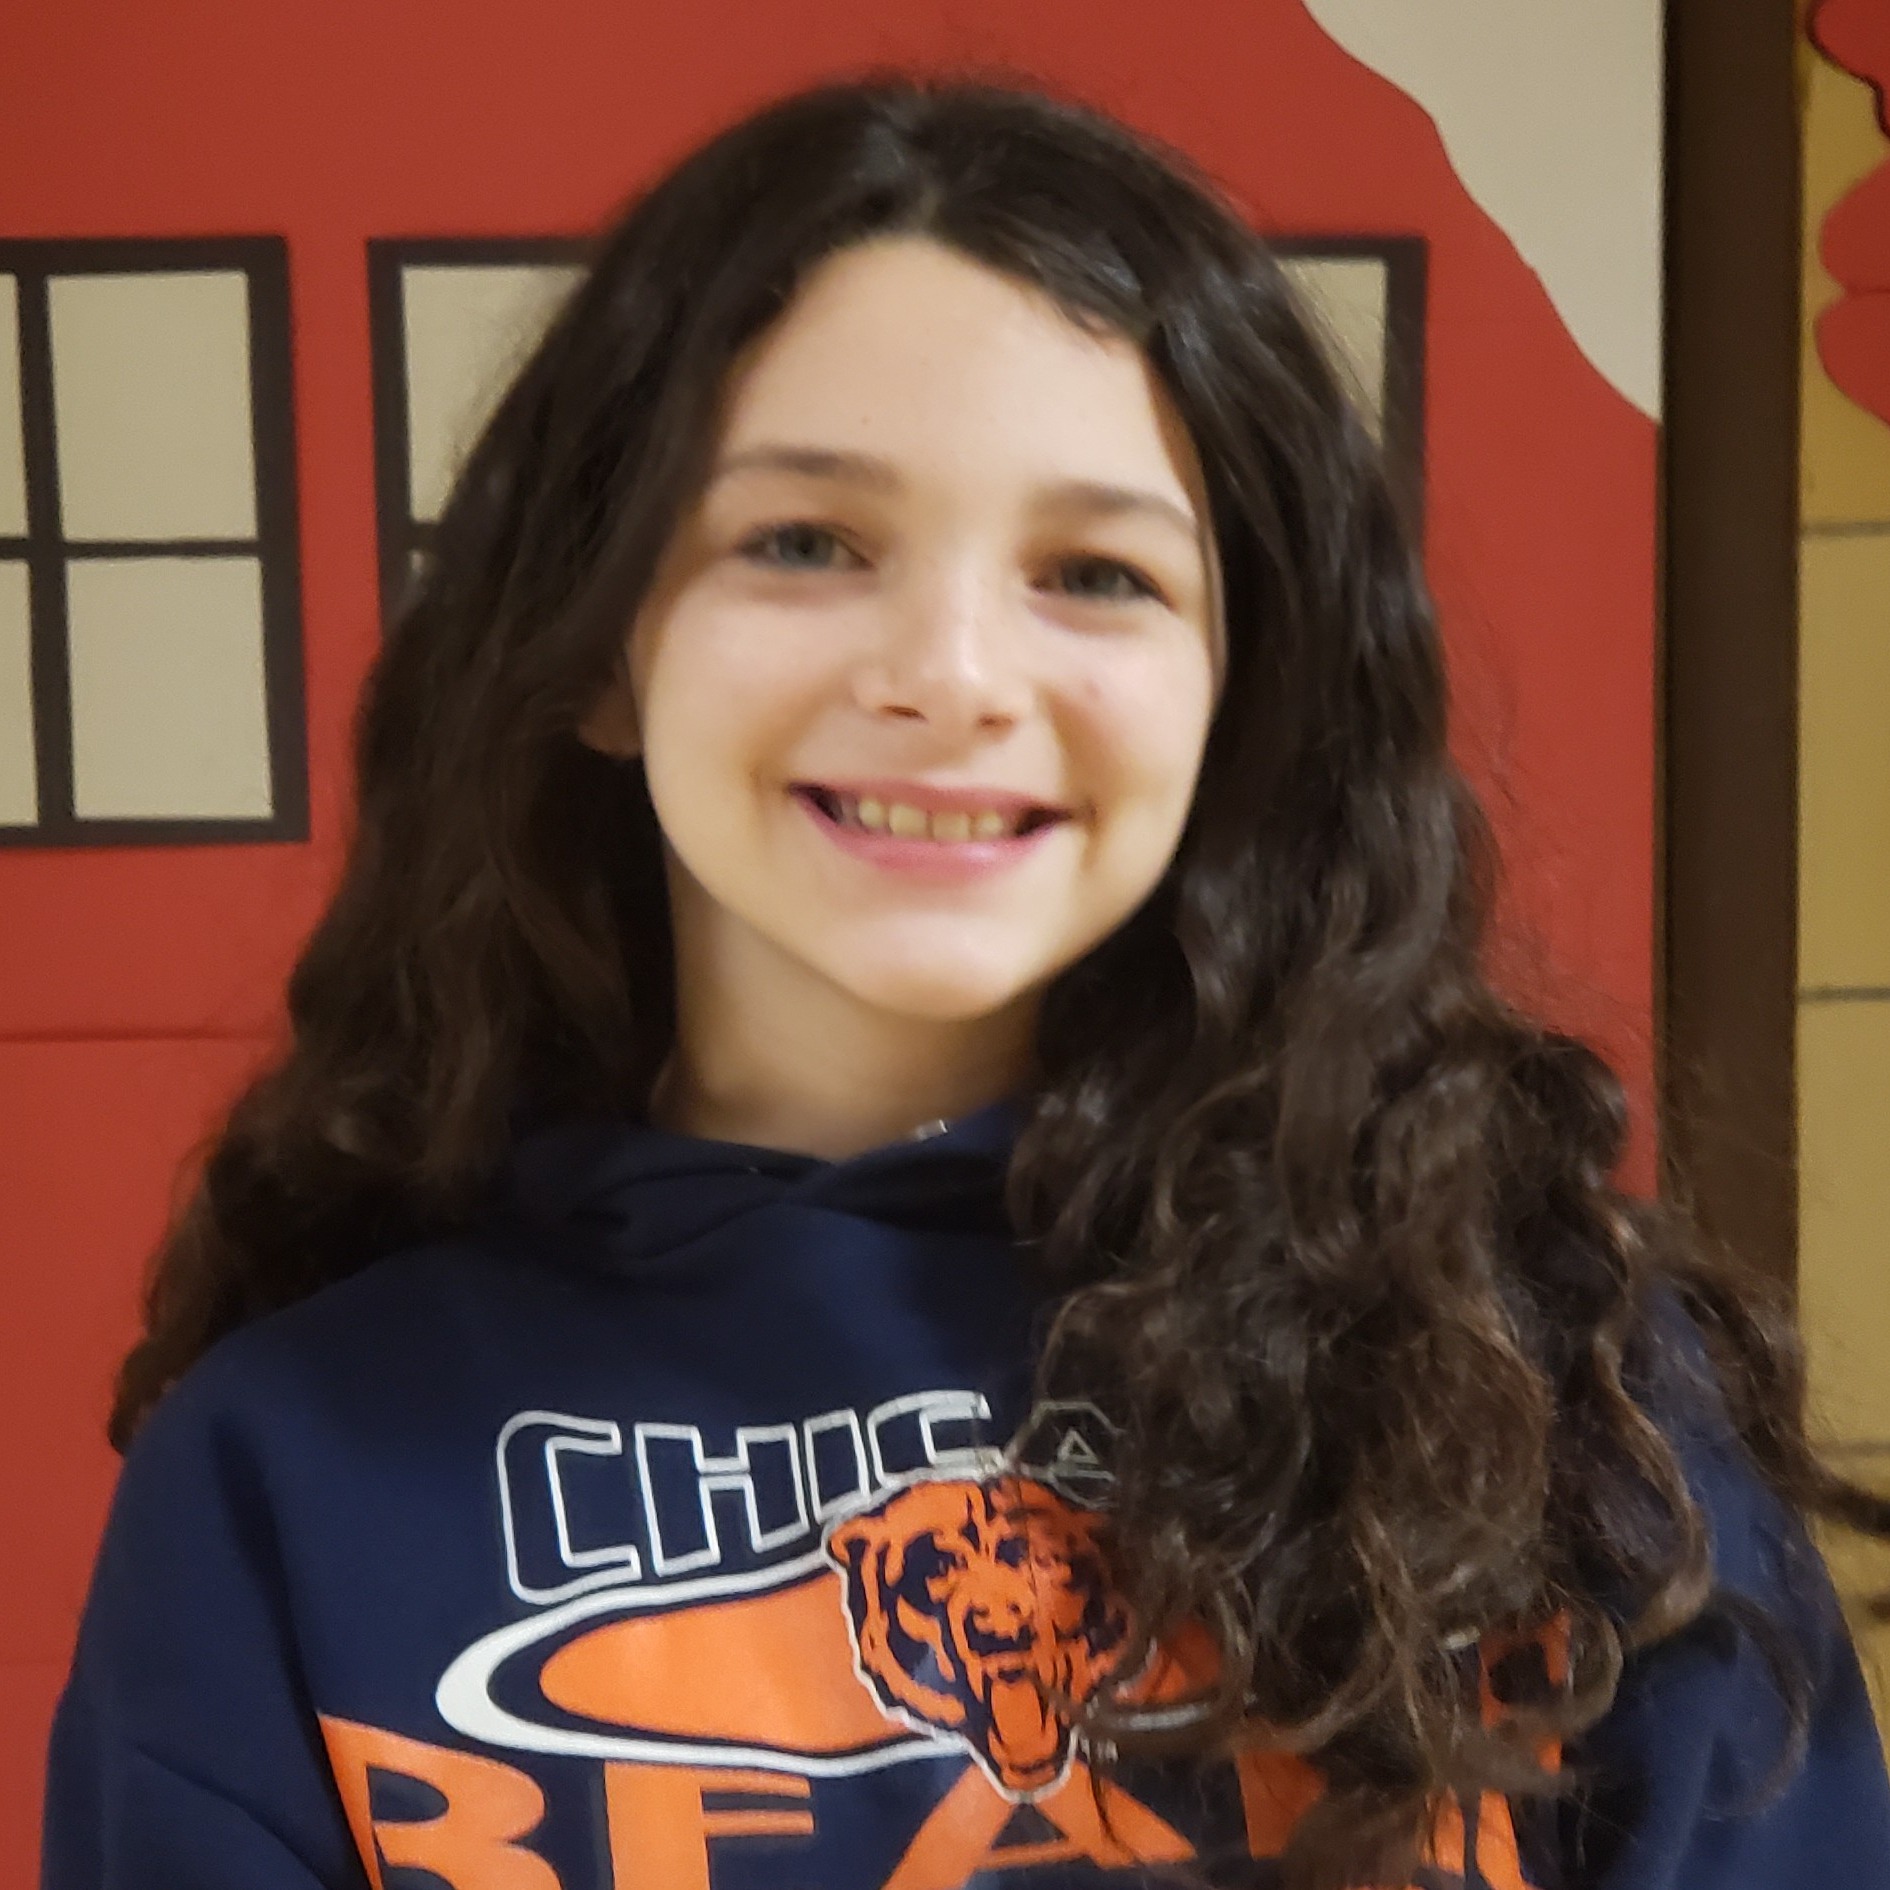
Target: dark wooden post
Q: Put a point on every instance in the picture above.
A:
(1727, 972)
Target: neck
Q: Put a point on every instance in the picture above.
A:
(832, 1126)
(787, 1060)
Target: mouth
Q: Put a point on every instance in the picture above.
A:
(902, 820)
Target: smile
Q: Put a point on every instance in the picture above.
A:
(869, 813)
(950, 843)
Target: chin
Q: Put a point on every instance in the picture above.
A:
(940, 995)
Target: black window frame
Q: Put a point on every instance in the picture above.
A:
(263, 261)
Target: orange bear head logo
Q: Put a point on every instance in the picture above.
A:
(973, 1606)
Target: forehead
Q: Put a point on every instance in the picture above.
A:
(905, 348)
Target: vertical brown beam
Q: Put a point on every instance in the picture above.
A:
(1729, 666)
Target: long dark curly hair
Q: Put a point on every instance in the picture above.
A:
(1332, 1226)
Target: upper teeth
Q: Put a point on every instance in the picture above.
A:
(911, 823)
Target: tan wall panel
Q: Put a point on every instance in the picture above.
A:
(1844, 761)
(1844, 1181)
(1861, 1568)
(1844, 875)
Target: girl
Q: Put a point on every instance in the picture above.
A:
(899, 1244)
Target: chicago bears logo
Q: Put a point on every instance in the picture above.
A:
(973, 1607)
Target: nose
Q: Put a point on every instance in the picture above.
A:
(1002, 1617)
(949, 653)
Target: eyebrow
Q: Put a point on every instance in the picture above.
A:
(866, 469)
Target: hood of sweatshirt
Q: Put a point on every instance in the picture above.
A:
(618, 1194)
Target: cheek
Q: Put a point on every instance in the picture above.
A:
(1141, 727)
(717, 706)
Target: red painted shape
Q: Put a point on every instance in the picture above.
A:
(1855, 34)
(330, 124)
(91, 1135)
(1853, 334)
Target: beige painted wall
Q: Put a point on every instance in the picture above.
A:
(1551, 114)
(1844, 856)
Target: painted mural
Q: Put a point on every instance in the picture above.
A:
(259, 268)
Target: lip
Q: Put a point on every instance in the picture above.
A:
(931, 862)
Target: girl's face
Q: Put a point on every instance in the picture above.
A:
(955, 549)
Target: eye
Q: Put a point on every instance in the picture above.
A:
(798, 545)
(1105, 579)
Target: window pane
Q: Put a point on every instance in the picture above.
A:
(168, 708)
(1348, 294)
(469, 329)
(19, 786)
(151, 405)
(12, 453)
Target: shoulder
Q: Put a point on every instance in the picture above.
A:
(1742, 1748)
(1758, 1541)
(1761, 1552)
(320, 1410)
(398, 1334)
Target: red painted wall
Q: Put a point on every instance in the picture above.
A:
(137, 985)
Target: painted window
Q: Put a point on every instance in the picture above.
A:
(150, 641)
(454, 319)
(1366, 295)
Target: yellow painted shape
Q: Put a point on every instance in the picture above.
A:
(1844, 760)
(1844, 1215)
(1844, 450)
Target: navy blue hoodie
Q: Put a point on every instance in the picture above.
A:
(687, 1529)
